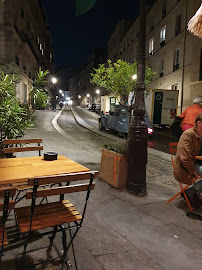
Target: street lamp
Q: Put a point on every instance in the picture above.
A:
(60, 91)
(137, 135)
(97, 91)
(134, 77)
(79, 96)
(54, 80)
(88, 95)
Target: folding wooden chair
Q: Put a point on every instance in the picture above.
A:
(17, 145)
(173, 150)
(20, 145)
(5, 193)
(54, 214)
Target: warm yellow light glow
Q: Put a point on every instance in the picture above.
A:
(63, 95)
(60, 91)
(79, 96)
(97, 91)
(88, 95)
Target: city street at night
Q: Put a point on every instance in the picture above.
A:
(100, 135)
(120, 230)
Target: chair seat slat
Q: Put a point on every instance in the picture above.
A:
(43, 218)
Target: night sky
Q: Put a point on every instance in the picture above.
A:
(75, 37)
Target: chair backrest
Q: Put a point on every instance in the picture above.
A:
(57, 179)
(19, 145)
(61, 190)
(173, 150)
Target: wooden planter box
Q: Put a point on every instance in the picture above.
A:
(113, 168)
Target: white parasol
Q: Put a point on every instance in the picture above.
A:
(195, 23)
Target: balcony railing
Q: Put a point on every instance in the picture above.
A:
(177, 31)
(162, 43)
(17, 60)
(175, 67)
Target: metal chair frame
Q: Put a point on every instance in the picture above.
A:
(5, 216)
(173, 150)
(73, 229)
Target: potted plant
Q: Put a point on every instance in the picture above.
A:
(114, 165)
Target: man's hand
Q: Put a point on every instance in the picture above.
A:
(196, 176)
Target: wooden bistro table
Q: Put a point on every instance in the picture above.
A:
(19, 170)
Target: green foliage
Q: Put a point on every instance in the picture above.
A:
(40, 101)
(38, 87)
(14, 116)
(117, 78)
(121, 148)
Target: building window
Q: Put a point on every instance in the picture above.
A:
(152, 23)
(24, 68)
(22, 13)
(178, 25)
(161, 68)
(25, 93)
(163, 36)
(164, 8)
(174, 86)
(176, 60)
(151, 46)
(200, 72)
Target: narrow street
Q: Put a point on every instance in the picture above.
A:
(159, 139)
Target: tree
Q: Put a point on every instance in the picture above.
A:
(117, 78)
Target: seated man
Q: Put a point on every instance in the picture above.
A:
(185, 166)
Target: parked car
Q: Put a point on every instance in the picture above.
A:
(98, 108)
(93, 107)
(118, 119)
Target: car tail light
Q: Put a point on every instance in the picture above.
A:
(150, 130)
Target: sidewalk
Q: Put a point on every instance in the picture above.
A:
(121, 230)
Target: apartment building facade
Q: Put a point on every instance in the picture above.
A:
(81, 89)
(25, 41)
(173, 53)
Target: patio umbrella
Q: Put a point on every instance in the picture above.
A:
(195, 23)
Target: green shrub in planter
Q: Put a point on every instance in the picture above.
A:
(121, 148)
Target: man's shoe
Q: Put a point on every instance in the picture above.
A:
(193, 200)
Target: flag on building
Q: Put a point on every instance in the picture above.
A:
(83, 6)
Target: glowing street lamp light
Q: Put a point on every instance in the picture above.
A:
(79, 96)
(60, 91)
(62, 94)
(88, 95)
(134, 77)
(97, 91)
(54, 80)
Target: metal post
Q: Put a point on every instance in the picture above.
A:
(137, 136)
